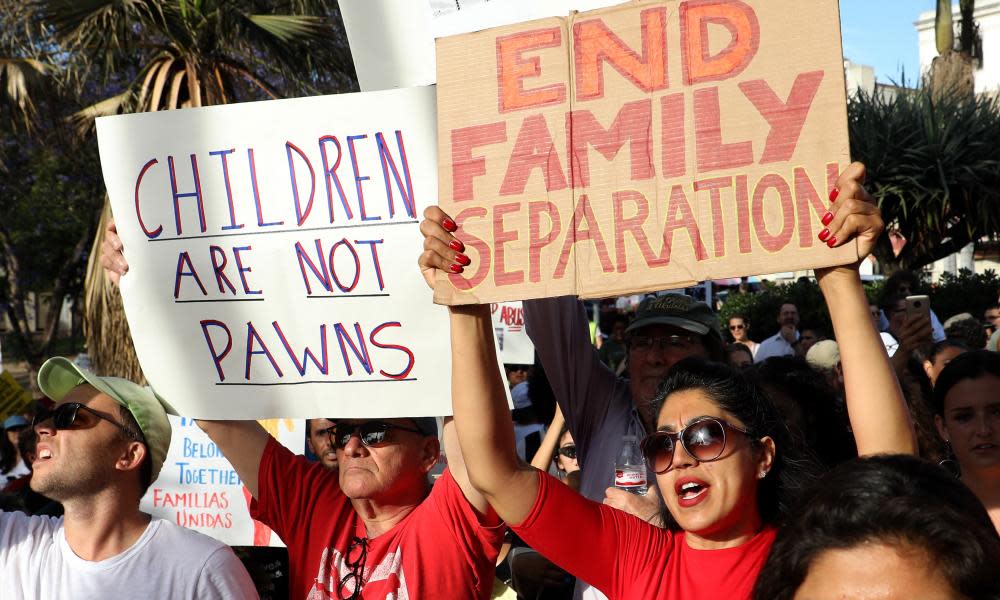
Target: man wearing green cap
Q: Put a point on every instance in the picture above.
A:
(98, 451)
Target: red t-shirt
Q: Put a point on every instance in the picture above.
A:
(625, 557)
(443, 549)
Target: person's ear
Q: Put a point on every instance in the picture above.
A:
(430, 451)
(765, 456)
(132, 456)
(928, 367)
(942, 429)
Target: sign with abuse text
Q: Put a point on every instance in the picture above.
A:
(640, 147)
(272, 254)
(512, 339)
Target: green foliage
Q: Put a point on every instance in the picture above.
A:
(965, 292)
(50, 200)
(762, 308)
(933, 168)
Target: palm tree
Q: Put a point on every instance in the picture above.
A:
(22, 74)
(952, 69)
(172, 54)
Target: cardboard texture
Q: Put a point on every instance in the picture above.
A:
(641, 147)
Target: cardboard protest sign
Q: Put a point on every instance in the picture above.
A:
(272, 254)
(512, 339)
(641, 147)
(199, 489)
(13, 397)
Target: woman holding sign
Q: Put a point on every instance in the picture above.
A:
(724, 466)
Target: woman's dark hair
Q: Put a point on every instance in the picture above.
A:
(941, 346)
(8, 453)
(810, 408)
(893, 499)
(735, 394)
(971, 365)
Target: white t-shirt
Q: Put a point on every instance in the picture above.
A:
(167, 561)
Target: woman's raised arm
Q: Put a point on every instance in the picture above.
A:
(878, 412)
(482, 418)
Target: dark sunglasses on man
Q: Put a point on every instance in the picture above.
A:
(703, 439)
(371, 433)
(65, 416)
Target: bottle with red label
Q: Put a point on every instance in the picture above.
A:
(630, 469)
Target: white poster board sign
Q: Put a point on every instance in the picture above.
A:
(272, 249)
(199, 489)
(512, 340)
(392, 41)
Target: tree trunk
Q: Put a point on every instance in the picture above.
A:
(952, 72)
(109, 341)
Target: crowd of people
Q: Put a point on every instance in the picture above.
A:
(797, 467)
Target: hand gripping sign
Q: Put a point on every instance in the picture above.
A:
(640, 147)
(272, 250)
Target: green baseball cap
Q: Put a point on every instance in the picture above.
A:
(58, 376)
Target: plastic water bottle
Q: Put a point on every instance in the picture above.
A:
(630, 470)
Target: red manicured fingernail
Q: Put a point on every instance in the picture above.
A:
(449, 225)
(824, 234)
(832, 242)
(456, 245)
(827, 218)
(462, 259)
(833, 194)
(456, 268)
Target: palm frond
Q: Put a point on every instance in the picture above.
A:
(83, 119)
(20, 78)
(289, 28)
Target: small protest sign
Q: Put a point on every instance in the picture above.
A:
(512, 339)
(641, 147)
(13, 397)
(272, 255)
(199, 489)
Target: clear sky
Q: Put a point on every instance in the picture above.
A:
(880, 33)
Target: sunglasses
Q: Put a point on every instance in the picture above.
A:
(704, 440)
(371, 433)
(568, 451)
(357, 553)
(644, 343)
(64, 417)
(736, 327)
